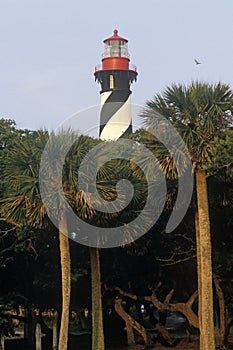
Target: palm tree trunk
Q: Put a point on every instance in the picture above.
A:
(38, 337)
(97, 309)
(55, 322)
(66, 284)
(206, 317)
(197, 230)
(2, 341)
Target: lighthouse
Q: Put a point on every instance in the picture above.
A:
(115, 76)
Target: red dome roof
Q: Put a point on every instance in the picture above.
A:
(115, 37)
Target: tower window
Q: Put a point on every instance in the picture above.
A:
(111, 81)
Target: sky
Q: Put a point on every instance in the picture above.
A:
(49, 50)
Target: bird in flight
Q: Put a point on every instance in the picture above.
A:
(196, 61)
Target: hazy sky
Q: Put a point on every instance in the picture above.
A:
(48, 51)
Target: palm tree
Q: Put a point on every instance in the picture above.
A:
(200, 112)
(22, 203)
(59, 172)
(108, 175)
(79, 201)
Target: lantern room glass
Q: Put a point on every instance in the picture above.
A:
(116, 48)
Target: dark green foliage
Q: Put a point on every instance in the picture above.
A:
(29, 254)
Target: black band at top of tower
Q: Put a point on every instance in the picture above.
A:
(121, 79)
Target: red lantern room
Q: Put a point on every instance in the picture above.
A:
(116, 55)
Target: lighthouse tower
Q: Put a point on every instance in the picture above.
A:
(115, 76)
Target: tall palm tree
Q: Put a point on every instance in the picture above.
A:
(79, 201)
(61, 160)
(199, 112)
(82, 201)
(108, 176)
(22, 203)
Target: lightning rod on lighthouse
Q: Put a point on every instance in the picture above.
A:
(115, 76)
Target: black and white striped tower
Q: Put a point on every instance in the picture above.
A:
(115, 76)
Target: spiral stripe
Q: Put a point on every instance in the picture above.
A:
(115, 115)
